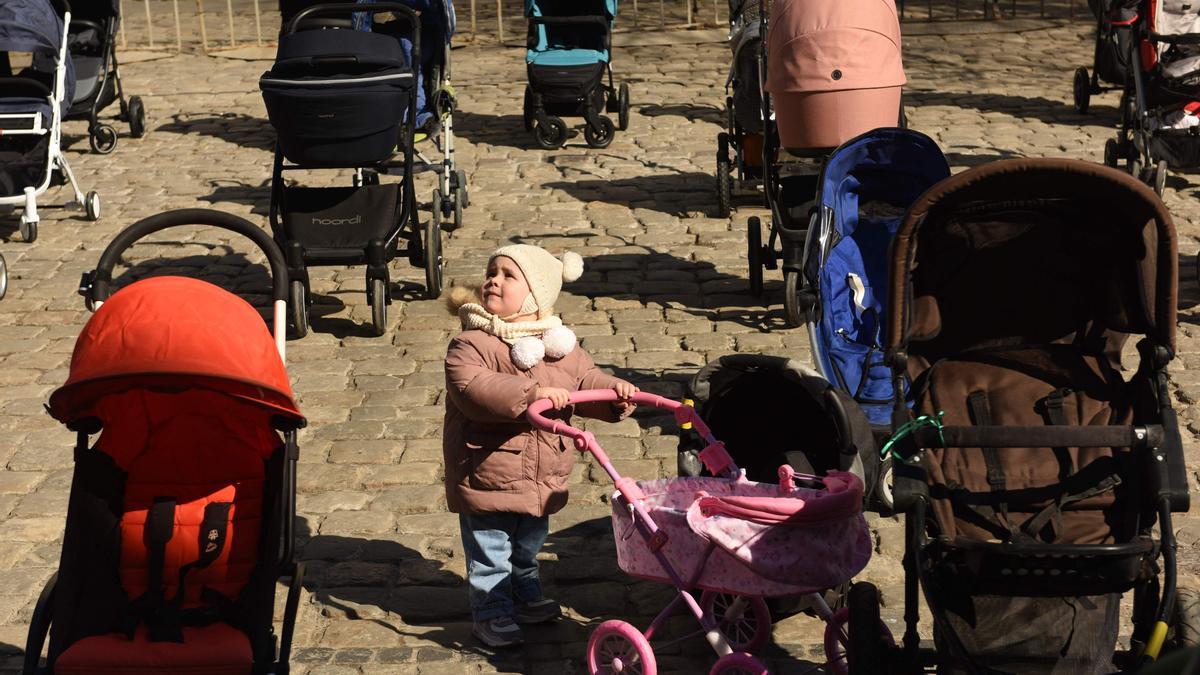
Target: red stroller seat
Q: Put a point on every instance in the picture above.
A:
(172, 543)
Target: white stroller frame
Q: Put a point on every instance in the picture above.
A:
(450, 197)
(55, 161)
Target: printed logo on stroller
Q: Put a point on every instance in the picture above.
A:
(356, 220)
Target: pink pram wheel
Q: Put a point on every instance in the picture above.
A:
(739, 663)
(618, 647)
(744, 620)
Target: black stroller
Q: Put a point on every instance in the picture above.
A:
(1038, 481)
(568, 55)
(1110, 59)
(744, 126)
(1160, 108)
(92, 44)
(341, 98)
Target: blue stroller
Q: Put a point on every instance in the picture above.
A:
(569, 53)
(864, 190)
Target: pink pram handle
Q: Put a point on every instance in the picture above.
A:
(715, 458)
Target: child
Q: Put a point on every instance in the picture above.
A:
(503, 477)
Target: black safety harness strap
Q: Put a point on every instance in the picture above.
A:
(981, 415)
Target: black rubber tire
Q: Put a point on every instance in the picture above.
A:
(103, 139)
(3, 277)
(1134, 166)
(1186, 622)
(864, 651)
(433, 252)
(601, 137)
(378, 306)
(298, 308)
(459, 197)
(724, 177)
(137, 117)
(791, 299)
(1112, 152)
(91, 206)
(623, 107)
(754, 252)
(29, 231)
(527, 111)
(461, 177)
(1082, 90)
(1160, 177)
(552, 134)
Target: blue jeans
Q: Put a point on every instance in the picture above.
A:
(501, 567)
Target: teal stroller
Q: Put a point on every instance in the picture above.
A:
(568, 57)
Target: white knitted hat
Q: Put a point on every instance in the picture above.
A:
(544, 273)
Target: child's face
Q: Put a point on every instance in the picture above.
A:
(504, 288)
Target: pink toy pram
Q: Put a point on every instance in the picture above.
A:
(733, 539)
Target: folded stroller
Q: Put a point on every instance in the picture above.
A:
(1110, 58)
(341, 98)
(32, 103)
(92, 44)
(743, 134)
(833, 72)
(735, 540)
(181, 513)
(1037, 480)
(1160, 112)
(568, 56)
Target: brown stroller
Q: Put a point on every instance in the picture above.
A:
(1031, 470)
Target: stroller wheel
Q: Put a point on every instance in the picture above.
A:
(1082, 90)
(1111, 152)
(528, 109)
(28, 229)
(460, 196)
(1186, 623)
(601, 136)
(298, 308)
(378, 295)
(103, 139)
(794, 302)
(433, 250)
(744, 620)
(3, 277)
(137, 117)
(1160, 177)
(724, 180)
(623, 107)
(618, 647)
(552, 134)
(91, 206)
(754, 251)
(738, 664)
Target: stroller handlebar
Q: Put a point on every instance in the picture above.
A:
(96, 286)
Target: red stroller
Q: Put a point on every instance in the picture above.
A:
(180, 514)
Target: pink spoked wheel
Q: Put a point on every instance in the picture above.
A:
(836, 641)
(738, 663)
(744, 620)
(617, 647)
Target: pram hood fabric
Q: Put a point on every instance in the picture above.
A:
(34, 26)
(833, 45)
(174, 334)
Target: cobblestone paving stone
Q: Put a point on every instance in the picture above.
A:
(665, 291)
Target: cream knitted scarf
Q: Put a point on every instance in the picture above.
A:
(530, 341)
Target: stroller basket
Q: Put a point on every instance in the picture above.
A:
(824, 550)
(337, 98)
(340, 218)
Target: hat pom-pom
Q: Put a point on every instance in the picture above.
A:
(559, 341)
(528, 352)
(572, 266)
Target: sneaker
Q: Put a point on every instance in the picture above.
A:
(501, 631)
(538, 611)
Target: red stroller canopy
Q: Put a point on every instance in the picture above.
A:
(174, 334)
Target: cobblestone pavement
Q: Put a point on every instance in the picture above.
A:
(665, 292)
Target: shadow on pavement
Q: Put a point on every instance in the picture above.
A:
(238, 128)
(690, 111)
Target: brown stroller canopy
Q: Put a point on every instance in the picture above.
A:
(1032, 251)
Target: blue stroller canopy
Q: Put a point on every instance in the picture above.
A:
(846, 258)
(34, 26)
(572, 44)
